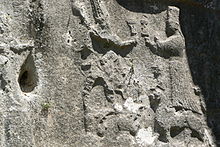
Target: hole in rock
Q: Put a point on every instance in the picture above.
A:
(85, 67)
(196, 134)
(100, 134)
(133, 133)
(176, 130)
(1, 31)
(158, 128)
(154, 102)
(85, 53)
(28, 76)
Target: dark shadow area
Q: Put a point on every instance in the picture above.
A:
(28, 77)
(176, 130)
(201, 29)
(161, 131)
(85, 53)
(3, 83)
(101, 82)
(143, 6)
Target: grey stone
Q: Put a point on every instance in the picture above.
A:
(109, 73)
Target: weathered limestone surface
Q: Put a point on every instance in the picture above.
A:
(109, 73)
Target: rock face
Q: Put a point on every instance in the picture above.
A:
(128, 73)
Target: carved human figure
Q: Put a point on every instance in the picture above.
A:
(174, 44)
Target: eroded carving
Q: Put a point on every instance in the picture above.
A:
(101, 33)
(99, 14)
(133, 27)
(174, 44)
(102, 43)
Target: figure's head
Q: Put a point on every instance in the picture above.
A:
(172, 24)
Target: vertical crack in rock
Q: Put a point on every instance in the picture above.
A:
(84, 117)
(37, 23)
(85, 95)
(3, 83)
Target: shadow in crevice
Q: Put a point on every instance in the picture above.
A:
(28, 76)
(143, 6)
(201, 29)
(101, 82)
